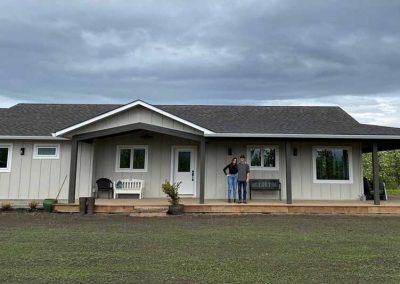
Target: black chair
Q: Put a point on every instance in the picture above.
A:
(104, 184)
(369, 190)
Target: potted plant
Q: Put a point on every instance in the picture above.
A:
(48, 204)
(171, 189)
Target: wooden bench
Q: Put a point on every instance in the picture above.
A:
(128, 186)
(265, 185)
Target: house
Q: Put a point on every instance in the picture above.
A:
(315, 152)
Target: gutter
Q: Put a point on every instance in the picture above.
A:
(308, 136)
(237, 135)
(14, 137)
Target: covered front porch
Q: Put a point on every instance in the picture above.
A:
(95, 155)
(141, 152)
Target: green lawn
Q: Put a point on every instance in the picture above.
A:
(394, 192)
(46, 248)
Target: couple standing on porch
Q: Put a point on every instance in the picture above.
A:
(238, 176)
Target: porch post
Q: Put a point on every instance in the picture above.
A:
(375, 173)
(288, 173)
(72, 171)
(202, 154)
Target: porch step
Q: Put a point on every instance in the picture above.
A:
(65, 208)
(149, 211)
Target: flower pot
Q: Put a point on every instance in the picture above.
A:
(175, 209)
(48, 204)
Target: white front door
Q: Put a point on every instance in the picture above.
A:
(184, 169)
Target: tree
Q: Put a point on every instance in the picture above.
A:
(389, 168)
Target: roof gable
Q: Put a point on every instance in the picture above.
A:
(125, 108)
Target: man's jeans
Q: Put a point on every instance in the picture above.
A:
(232, 182)
(242, 187)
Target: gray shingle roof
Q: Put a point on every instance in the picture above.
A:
(44, 119)
(277, 120)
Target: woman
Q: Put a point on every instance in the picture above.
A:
(232, 179)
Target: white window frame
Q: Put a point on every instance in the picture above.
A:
(132, 148)
(262, 147)
(36, 155)
(326, 181)
(9, 157)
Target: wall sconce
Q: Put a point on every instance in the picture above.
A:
(22, 151)
(295, 152)
(229, 151)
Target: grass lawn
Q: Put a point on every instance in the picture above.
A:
(393, 192)
(46, 248)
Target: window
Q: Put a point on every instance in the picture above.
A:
(5, 157)
(184, 161)
(131, 158)
(139, 158)
(46, 151)
(263, 157)
(125, 158)
(332, 165)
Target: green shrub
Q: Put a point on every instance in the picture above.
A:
(171, 189)
(5, 206)
(33, 205)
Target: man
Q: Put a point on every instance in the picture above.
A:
(243, 178)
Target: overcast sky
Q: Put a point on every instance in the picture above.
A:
(280, 52)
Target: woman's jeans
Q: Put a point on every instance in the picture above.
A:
(232, 182)
(242, 186)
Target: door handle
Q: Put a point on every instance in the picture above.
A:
(192, 175)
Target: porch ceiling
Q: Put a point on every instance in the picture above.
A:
(383, 145)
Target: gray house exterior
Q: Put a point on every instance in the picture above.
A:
(314, 151)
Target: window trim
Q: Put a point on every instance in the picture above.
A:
(329, 181)
(9, 157)
(132, 148)
(262, 168)
(36, 155)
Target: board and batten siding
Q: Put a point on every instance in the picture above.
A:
(84, 170)
(39, 178)
(35, 178)
(303, 186)
(217, 158)
(137, 114)
(159, 159)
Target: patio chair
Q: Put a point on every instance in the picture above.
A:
(369, 190)
(104, 184)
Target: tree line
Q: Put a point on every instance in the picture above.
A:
(389, 167)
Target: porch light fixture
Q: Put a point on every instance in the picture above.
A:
(229, 151)
(22, 151)
(295, 152)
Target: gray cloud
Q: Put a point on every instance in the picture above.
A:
(198, 52)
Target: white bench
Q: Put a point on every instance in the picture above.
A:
(128, 186)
